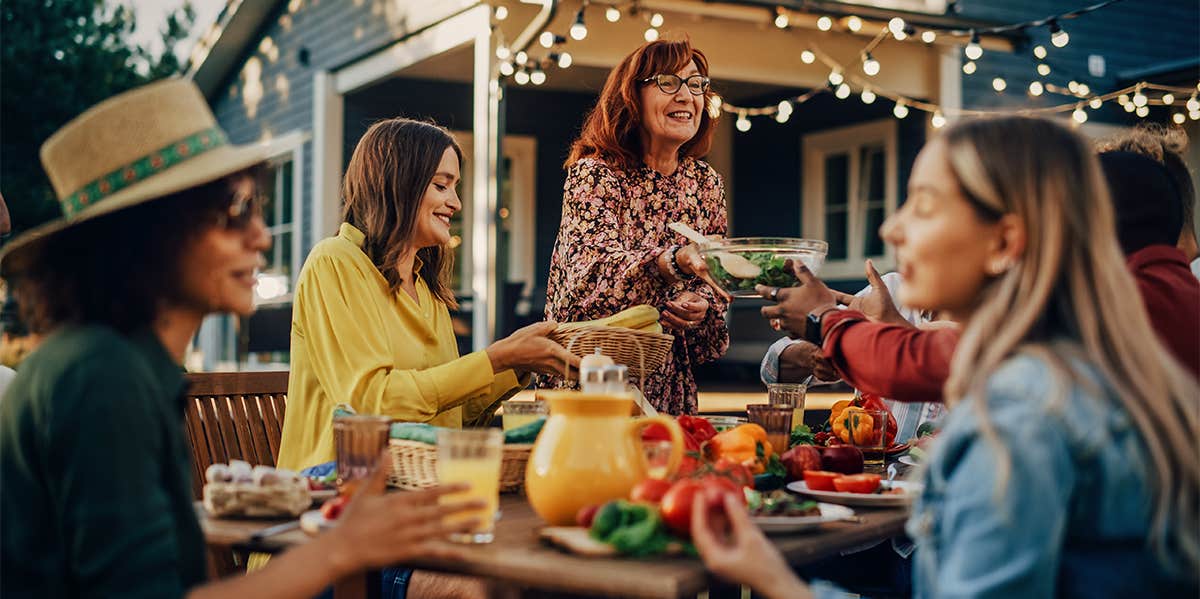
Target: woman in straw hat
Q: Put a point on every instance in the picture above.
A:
(161, 227)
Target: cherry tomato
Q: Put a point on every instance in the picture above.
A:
(857, 483)
(586, 514)
(677, 503)
(820, 480)
(332, 509)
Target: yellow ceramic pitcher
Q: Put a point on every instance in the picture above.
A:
(589, 452)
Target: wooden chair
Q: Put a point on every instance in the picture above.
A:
(233, 416)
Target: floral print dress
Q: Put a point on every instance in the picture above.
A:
(614, 226)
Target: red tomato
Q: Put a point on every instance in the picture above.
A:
(677, 503)
(820, 480)
(650, 490)
(586, 514)
(738, 473)
(332, 509)
(857, 483)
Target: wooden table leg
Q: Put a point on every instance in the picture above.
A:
(364, 585)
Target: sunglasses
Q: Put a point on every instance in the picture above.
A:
(697, 84)
(241, 212)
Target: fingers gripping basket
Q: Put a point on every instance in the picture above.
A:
(414, 465)
(642, 352)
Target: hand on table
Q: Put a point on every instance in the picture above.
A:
(741, 554)
(685, 311)
(793, 304)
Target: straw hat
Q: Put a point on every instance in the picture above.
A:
(135, 147)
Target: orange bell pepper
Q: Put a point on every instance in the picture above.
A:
(742, 445)
(853, 421)
(838, 407)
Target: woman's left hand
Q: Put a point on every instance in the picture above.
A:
(685, 311)
(793, 304)
(689, 262)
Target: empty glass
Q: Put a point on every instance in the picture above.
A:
(515, 414)
(776, 420)
(358, 441)
(789, 395)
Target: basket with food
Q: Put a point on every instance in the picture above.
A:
(632, 337)
(737, 264)
(413, 450)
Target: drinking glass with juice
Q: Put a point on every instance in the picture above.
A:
(472, 456)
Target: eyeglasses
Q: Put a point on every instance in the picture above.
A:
(241, 212)
(697, 84)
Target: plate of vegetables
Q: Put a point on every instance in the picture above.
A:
(866, 490)
(737, 264)
(782, 512)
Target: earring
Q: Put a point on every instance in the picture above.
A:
(999, 267)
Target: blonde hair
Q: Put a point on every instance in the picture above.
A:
(1070, 293)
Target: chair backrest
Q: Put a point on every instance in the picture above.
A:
(234, 416)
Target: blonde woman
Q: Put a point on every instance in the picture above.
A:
(1067, 465)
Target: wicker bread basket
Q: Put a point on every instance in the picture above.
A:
(641, 351)
(414, 465)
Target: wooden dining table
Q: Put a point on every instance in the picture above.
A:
(518, 564)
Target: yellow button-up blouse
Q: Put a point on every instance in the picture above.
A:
(355, 342)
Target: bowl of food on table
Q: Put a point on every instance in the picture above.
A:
(738, 264)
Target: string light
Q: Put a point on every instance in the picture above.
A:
(501, 13)
(1123, 99)
(1193, 105)
(1140, 99)
(1096, 103)
(896, 26)
(538, 76)
(836, 77)
(1043, 69)
(714, 106)
(1084, 90)
(969, 67)
(564, 60)
(999, 84)
(1142, 111)
(1168, 99)
(781, 19)
(578, 29)
(973, 50)
(546, 39)
(1129, 107)
(613, 14)
(522, 57)
(650, 35)
(807, 57)
(506, 69)
(656, 20)
(502, 52)
(743, 123)
(870, 66)
(1073, 86)
(1178, 118)
(824, 23)
(938, 121)
(1079, 115)
(853, 23)
(1058, 37)
(868, 96)
(522, 76)
(783, 111)
(1036, 88)
(1039, 51)
(843, 92)
(1194, 115)
(900, 110)
(929, 36)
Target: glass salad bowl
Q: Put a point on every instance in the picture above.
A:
(738, 264)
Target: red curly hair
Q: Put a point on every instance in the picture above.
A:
(612, 130)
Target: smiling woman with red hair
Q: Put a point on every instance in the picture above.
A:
(635, 168)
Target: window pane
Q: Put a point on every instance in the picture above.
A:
(873, 244)
(835, 235)
(284, 252)
(837, 175)
(872, 187)
(284, 214)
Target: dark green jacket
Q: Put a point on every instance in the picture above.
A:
(95, 489)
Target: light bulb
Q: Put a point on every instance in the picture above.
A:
(1193, 104)
(785, 106)
(781, 20)
(522, 57)
(900, 110)
(969, 67)
(537, 77)
(502, 52)
(1036, 88)
(656, 20)
(824, 23)
(1084, 90)
(578, 29)
(743, 123)
(836, 77)
(1143, 111)
(546, 39)
(868, 96)
(782, 117)
(1178, 118)
(522, 77)
(1168, 98)
(929, 36)
(506, 69)
(1073, 86)
(564, 60)
(1129, 107)
(896, 26)
(1043, 69)
(714, 106)
(650, 35)
(843, 92)
(1058, 37)
(613, 14)
(1096, 103)
(999, 84)
(853, 23)
(1123, 99)
(1194, 115)
(1039, 51)
(807, 57)
(1079, 115)
(501, 13)
(973, 50)
(1140, 99)
(870, 65)
(938, 121)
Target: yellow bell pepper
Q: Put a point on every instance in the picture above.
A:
(838, 407)
(854, 420)
(742, 445)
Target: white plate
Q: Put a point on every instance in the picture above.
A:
(907, 460)
(911, 490)
(780, 524)
(313, 522)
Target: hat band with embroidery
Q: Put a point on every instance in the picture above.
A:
(143, 168)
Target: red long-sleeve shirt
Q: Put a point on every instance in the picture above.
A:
(909, 364)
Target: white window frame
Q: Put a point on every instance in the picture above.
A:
(849, 140)
(521, 150)
(293, 144)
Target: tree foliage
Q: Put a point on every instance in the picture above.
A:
(59, 57)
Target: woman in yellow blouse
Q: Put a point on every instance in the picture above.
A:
(371, 320)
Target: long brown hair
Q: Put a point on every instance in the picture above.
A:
(388, 174)
(612, 130)
(1069, 294)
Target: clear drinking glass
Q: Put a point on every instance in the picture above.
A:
(515, 414)
(358, 441)
(658, 457)
(472, 456)
(789, 395)
(874, 444)
(776, 420)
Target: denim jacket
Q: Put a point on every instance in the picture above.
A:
(1072, 517)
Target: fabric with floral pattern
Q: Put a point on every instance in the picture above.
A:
(614, 226)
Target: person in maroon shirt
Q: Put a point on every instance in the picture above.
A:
(910, 364)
